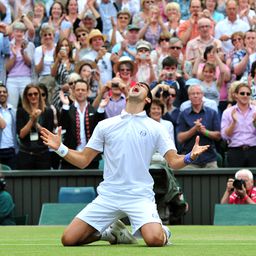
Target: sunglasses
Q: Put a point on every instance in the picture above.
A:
(32, 94)
(71, 83)
(164, 39)
(83, 34)
(175, 47)
(123, 18)
(143, 50)
(124, 69)
(172, 94)
(149, 2)
(48, 34)
(236, 40)
(244, 93)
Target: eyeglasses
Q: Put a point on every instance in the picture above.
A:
(124, 69)
(164, 40)
(175, 47)
(123, 18)
(48, 34)
(244, 93)
(204, 26)
(32, 94)
(143, 50)
(104, 64)
(149, 2)
(83, 34)
(236, 40)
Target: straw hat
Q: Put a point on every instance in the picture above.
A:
(123, 60)
(81, 63)
(94, 33)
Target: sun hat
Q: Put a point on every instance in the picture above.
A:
(123, 60)
(94, 33)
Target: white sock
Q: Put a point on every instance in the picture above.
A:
(167, 233)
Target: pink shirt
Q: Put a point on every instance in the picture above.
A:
(234, 199)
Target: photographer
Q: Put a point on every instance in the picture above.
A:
(240, 190)
(6, 204)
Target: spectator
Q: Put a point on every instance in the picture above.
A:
(79, 121)
(99, 54)
(225, 28)
(246, 13)
(184, 8)
(31, 117)
(4, 51)
(161, 51)
(63, 66)
(252, 82)
(107, 11)
(139, 19)
(44, 58)
(89, 72)
(81, 45)
(39, 18)
(199, 120)
(21, 7)
(19, 64)
(119, 28)
(156, 112)
(172, 12)
(197, 46)
(62, 27)
(6, 204)
(153, 27)
(128, 46)
(170, 77)
(8, 141)
(211, 6)
(240, 190)
(145, 71)
(238, 128)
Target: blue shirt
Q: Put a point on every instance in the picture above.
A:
(210, 120)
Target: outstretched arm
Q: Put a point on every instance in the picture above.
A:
(176, 161)
(79, 159)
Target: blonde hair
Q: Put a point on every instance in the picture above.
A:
(172, 5)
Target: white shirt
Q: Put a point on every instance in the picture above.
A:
(169, 127)
(128, 142)
(226, 27)
(7, 140)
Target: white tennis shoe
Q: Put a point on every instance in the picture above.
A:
(122, 234)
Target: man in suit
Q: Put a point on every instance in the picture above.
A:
(79, 121)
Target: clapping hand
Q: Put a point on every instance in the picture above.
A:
(51, 140)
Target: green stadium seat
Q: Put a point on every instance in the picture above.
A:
(59, 214)
(5, 167)
(76, 194)
(235, 214)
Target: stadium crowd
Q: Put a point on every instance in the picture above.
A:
(72, 63)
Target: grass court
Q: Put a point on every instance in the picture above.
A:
(187, 241)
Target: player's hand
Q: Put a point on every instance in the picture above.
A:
(197, 149)
(51, 140)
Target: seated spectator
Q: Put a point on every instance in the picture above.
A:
(246, 13)
(31, 117)
(81, 43)
(154, 26)
(6, 204)
(240, 190)
(238, 128)
(8, 140)
(252, 83)
(199, 120)
(145, 71)
(44, 58)
(5, 51)
(19, 64)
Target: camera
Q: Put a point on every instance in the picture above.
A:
(2, 183)
(169, 76)
(114, 85)
(143, 56)
(239, 183)
(165, 94)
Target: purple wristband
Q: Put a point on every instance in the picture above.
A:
(188, 159)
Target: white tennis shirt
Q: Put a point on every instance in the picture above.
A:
(128, 142)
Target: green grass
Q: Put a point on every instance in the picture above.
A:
(187, 241)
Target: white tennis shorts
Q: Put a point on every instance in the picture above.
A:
(103, 211)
